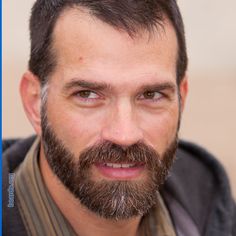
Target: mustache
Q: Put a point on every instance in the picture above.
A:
(107, 151)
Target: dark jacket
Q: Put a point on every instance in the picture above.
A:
(197, 188)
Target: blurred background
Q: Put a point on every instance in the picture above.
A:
(210, 115)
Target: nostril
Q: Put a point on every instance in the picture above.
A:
(123, 137)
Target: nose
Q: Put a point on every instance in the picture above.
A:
(121, 126)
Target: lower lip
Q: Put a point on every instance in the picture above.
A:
(120, 173)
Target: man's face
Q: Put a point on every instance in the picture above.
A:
(116, 95)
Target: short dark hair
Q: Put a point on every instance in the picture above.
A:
(129, 15)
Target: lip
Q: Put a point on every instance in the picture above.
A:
(120, 173)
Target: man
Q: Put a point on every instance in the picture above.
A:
(105, 91)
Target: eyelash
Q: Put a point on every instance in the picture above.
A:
(85, 99)
(161, 95)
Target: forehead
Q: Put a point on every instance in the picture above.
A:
(85, 45)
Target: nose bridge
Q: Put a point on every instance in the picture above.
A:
(122, 125)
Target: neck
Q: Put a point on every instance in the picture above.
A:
(83, 221)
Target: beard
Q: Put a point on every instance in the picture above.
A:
(110, 199)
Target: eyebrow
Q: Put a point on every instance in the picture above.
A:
(101, 86)
(160, 86)
(85, 84)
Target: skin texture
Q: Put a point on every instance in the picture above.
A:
(123, 111)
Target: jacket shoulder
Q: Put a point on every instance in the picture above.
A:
(14, 151)
(199, 183)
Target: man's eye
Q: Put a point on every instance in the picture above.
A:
(87, 94)
(152, 95)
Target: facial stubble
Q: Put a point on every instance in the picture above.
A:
(110, 199)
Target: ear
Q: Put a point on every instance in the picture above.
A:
(183, 89)
(30, 94)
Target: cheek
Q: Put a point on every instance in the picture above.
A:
(160, 129)
(77, 129)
